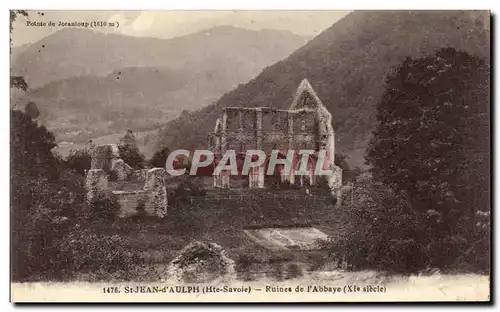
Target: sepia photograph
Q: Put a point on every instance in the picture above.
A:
(250, 156)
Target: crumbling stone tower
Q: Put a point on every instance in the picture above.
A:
(152, 198)
(105, 157)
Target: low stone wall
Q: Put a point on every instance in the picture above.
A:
(104, 157)
(131, 200)
(140, 175)
(97, 182)
(138, 192)
(155, 182)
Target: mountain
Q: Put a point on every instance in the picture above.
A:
(347, 65)
(88, 84)
(74, 52)
(16, 51)
(138, 98)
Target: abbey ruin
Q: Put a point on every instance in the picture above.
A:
(305, 125)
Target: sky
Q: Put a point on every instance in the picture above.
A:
(169, 24)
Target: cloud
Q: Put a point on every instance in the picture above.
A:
(169, 24)
(143, 22)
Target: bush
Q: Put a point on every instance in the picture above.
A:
(380, 231)
(102, 257)
(104, 207)
(445, 251)
(476, 257)
(188, 186)
(348, 174)
(383, 231)
(46, 200)
(196, 188)
(293, 271)
(275, 271)
(79, 160)
(439, 160)
(316, 260)
(159, 158)
(132, 156)
(243, 264)
(53, 209)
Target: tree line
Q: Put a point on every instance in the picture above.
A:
(425, 201)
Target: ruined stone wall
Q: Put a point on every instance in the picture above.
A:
(155, 183)
(104, 157)
(267, 129)
(274, 121)
(240, 130)
(133, 189)
(96, 183)
(305, 130)
(131, 200)
(306, 125)
(279, 129)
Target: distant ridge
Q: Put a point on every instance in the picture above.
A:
(347, 65)
(89, 84)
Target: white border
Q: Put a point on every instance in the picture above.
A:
(254, 5)
(190, 5)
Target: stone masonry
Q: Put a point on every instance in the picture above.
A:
(97, 182)
(155, 182)
(307, 124)
(123, 170)
(151, 199)
(104, 157)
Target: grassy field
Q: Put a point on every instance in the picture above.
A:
(222, 222)
(144, 143)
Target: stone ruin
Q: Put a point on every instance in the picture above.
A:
(150, 199)
(122, 170)
(104, 157)
(307, 124)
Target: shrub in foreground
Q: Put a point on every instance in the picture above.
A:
(383, 231)
(104, 207)
(100, 257)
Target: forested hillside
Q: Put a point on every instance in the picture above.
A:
(347, 65)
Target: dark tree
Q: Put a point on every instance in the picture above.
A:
(32, 110)
(432, 140)
(79, 160)
(44, 198)
(48, 208)
(159, 158)
(129, 151)
(17, 81)
(31, 146)
(132, 156)
(379, 230)
(348, 174)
